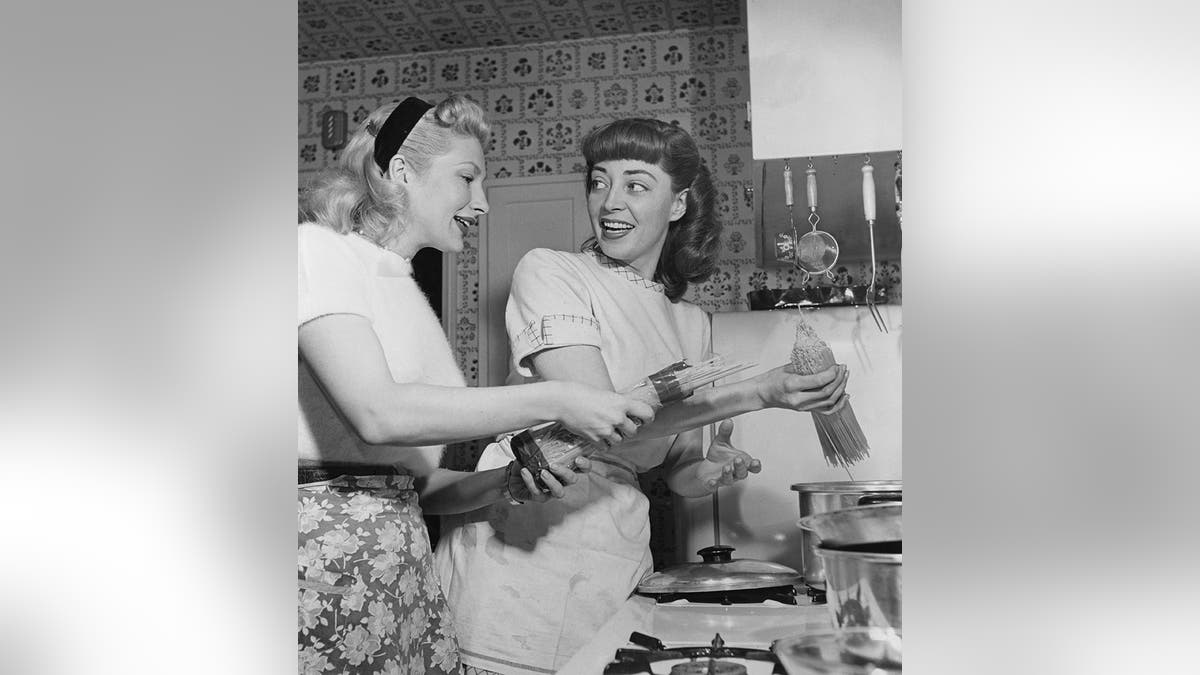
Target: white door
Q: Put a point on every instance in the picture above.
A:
(526, 213)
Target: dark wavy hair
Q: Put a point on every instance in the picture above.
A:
(690, 252)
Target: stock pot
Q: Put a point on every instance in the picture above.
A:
(864, 585)
(833, 496)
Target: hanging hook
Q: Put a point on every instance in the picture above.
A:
(868, 160)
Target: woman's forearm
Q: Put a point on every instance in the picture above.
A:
(705, 406)
(434, 415)
(445, 492)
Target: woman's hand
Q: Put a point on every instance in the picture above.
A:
(724, 464)
(822, 392)
(522, 487)
(602, 417)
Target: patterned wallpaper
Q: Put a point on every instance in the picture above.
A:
(351, 29)
(541, 99)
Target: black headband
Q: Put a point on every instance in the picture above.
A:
(396, 128)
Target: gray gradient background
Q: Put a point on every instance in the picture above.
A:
(146, 414)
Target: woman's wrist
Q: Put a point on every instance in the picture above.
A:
(554, 400)
(506, 487)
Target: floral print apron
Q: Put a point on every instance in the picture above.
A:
(368, 598)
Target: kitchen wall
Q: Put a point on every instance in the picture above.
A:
(541, 99)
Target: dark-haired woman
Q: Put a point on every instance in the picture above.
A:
(380, 393)
(530, 587)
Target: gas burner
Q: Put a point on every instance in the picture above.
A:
(817, 595)
(783, 594)
(711, 660)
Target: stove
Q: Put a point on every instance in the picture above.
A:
(682, 636)
(654, 658)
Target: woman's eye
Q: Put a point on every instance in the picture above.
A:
(596, 184)
(637, 187)
(469, 179)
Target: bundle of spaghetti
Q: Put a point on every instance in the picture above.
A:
(538, 447)
(842, 439)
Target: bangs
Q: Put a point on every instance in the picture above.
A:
(635, 139)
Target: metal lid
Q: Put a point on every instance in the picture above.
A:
(847, 486)
(719, 572)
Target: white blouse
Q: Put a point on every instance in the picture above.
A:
(348, 274)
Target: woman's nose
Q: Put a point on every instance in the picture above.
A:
(613, 200)
(480, 201)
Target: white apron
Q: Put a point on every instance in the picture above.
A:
(529, 585)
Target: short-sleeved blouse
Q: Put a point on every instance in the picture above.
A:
(348, 274)
(561, 299)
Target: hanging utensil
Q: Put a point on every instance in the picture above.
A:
(816, 251)
(868, 190)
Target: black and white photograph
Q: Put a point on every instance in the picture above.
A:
(600, 324)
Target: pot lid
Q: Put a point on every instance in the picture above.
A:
(719, 572)
(854, 486)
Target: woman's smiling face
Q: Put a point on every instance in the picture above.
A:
(631, 204)
(448, 198)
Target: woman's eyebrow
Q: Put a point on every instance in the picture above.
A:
(631, 172)
(473, 166)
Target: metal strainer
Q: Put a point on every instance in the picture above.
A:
(816, 251)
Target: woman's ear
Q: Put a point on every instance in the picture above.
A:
(397, 169)
(679, 206)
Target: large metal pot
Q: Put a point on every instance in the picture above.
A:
(832, 496)
(864, 588)
(858, 525)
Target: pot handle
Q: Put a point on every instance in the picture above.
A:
(880, 498)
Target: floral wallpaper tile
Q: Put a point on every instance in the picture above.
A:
(379, 77)
(503, 103)
(560, 61)
(522, 139)
(673, 54)
(523, 66)
(653, 93)
(541, 101)
(414, 75)
(310, 153)
(580, 98)
(561, 137)
(486, 68)
(716, 127)
(635, 58)
(450, 72)
(314, 83)
(597, 59)
(717, 49)
(617, 96)
(346, 79)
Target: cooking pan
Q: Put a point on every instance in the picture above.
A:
(858, 525)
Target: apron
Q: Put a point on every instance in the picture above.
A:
(531, 584)
(368, 601)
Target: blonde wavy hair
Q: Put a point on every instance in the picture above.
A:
(356, 196)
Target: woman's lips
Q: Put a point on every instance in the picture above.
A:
(615, 229)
